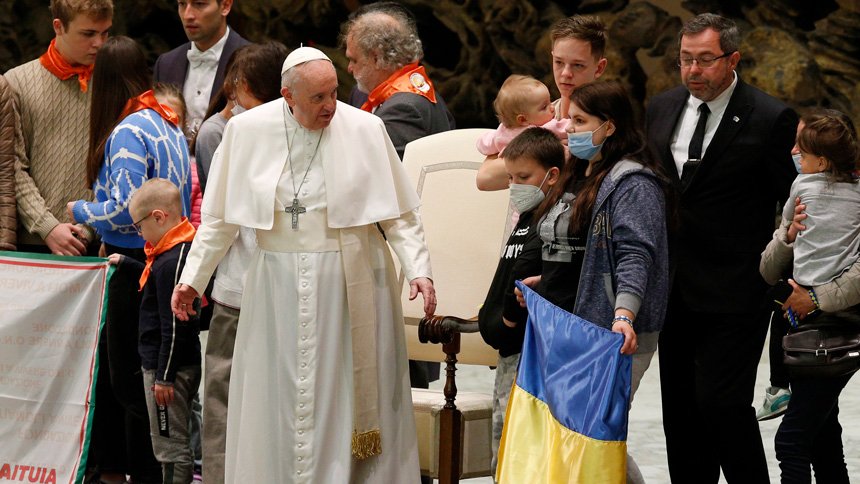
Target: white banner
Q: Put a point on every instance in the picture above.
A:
(51, 311)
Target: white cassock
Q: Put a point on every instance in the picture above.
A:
(290, 415)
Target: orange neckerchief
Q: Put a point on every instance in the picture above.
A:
(183, 232)
(411, 78)
(147, 101)
(58, 66)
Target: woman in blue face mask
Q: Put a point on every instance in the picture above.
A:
(603, 228)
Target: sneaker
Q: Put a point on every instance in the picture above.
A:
(775, 402)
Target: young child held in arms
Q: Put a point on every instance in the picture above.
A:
(533, 160)
(169, 349)
(522, 102)
(827, 161)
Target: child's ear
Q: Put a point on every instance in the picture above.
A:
(553, 175)
(823, 164)
(159, 217)
(522, 120)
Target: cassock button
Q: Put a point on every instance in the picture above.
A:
(304, 365)
(303, 379)
(304, 338)
(304, 352)
(304, 284)
(302, 391)
(305, 325)
(300, 446)
(304, 271)
(301, 419)
(304, 298)
(301, 405)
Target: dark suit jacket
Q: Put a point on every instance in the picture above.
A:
(171, 67)
(408, 116)
(727, 211)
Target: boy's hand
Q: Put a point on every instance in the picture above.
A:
(114, 259)
(531, 282)
(163, 394)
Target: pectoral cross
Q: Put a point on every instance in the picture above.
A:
(296, 209)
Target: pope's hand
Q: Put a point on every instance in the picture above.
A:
(425, 286)
(182, 301)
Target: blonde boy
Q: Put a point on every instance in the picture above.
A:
(169, 348)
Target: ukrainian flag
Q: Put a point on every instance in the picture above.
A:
(567, 415)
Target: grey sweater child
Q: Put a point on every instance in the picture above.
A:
(830, 242)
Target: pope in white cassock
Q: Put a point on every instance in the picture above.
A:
(319, 391)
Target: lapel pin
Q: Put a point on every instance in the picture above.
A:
(736, 119)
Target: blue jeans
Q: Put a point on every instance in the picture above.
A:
(810, 434)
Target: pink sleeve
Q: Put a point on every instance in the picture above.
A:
(196, 196)
(557, 127)
(487, 143)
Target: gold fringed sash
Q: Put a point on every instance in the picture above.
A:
(366, 440)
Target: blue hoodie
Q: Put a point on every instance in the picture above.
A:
(626, 261)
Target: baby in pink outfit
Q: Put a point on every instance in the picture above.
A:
(523, 102)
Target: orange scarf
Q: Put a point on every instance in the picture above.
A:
(183, 232)
(147, 101)
(58, 66)
(411, 78)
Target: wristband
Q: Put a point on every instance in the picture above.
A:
(814, 299)
(623, 318)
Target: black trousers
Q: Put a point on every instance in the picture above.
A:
(779, 326)
(120, 441)
(707, 374)
(810, 434)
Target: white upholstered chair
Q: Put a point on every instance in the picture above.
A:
(465, 230)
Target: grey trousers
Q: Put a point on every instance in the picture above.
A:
(169, 426)
(219, 361)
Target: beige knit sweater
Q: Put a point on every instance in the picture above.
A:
(51, 168)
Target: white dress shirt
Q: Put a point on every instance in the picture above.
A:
(202, 67)
(683, 134)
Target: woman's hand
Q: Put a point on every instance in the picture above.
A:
(621, 326)
(799, 301)
(531, 282)
(796, 225)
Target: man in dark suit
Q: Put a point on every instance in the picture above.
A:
(197, 67)
(726, 145)
(383, 49)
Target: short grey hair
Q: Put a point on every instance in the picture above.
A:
(395, 43)
(291, 76)
(730, 36)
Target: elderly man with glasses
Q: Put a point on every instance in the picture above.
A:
(726, 146)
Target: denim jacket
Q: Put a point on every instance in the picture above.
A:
(626, 262)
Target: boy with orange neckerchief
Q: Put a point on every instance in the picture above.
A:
(53, 100)
(169, 349)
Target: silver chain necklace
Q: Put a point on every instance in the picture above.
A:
(296, 208)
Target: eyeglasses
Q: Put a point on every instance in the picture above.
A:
(703, 62)
(136, 225)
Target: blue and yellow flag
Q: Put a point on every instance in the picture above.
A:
(567, 415)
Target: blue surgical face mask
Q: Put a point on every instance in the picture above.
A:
(581, 144)
(796, 160)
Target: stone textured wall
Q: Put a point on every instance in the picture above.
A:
(805, 53)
